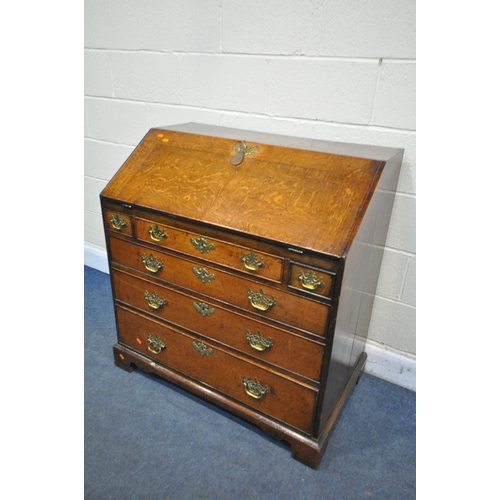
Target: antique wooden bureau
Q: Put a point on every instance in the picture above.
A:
(244, 267)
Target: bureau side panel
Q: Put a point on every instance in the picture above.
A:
(371, 240)
(361, 268)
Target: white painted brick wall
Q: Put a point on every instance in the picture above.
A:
(98, 80)
(146, 76)
(396, 94)
(224, 82)
(375, 29)
(103, 159)
(113, 24)
(184, 26)
(272, 27)
(321, 89)
(341, 70)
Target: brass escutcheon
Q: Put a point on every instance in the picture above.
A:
(260, 301)
(203, 275)
(203, 309)
(156, 344)
(242, 150)
(153, 300)
(201, 245)
(156, 233)
(254, 389)
(151, 263)
(257, 341)
(310, 280)
(202, 348)
(252, 262)
(117, 222)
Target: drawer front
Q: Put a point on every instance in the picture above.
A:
(311, 280)
(267, 303)
(203, 247)
(261, 341)
(267, 392)
(118, 222)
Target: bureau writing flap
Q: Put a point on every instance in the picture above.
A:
(305, 199)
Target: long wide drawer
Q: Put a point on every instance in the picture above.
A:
(266, 302)
(260, 340)
(276, 396)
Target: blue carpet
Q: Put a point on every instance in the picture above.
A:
(147, 439)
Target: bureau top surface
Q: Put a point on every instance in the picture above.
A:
(312, 200)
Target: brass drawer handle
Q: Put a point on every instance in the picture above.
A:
(202, 348)
(203, 275)
(252, 262)
(260, 301)
(258, 342)
(203, 309)
(310, 280)
(254, 389)
(156, 233)
(153, 300)
(151, 263)
(156, 344)
(117, 222)
(202, 245)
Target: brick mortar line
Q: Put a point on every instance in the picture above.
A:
(381, 128)
(366, 59)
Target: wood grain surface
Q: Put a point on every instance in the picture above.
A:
(305, 199)
(286, 400)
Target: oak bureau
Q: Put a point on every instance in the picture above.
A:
(244, 268)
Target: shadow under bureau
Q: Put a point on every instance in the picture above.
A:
(244, 268)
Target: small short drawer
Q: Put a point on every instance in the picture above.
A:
(311, 280)
(118, 222)
(201, 360)
(212, 250)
